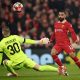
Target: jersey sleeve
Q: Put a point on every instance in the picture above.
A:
(71, 30)
(27, 41)
(30, 41)
(52, 37)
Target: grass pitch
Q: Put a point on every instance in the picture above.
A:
(30, 74)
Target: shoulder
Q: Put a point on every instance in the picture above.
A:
(15, 36)
(68, 23)
(2, 42)
(18, 37)
(55, 23)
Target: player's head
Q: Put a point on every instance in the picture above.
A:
(5, 31)
(61, 15)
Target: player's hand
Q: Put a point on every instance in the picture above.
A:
(44, 41)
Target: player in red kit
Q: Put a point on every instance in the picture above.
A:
(61, 29)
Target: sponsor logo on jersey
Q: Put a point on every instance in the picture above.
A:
(58, 30)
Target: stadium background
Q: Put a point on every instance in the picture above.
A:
(36, 22)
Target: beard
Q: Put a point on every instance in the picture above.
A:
(60, 19)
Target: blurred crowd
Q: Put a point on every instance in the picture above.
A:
(38, 17)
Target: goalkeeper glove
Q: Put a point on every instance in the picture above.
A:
(44, 41)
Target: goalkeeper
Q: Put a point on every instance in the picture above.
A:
(11, 46)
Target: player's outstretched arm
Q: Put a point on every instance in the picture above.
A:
(41, 41)
(31, 41)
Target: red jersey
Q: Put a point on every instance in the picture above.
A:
(61, 30)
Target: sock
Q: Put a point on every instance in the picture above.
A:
(47, 68)
(77, 61)
(57, 60)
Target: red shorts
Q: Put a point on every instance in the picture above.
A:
(64, 47)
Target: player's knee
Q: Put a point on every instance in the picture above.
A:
(53, 52)
(5, 62)
(72, 55)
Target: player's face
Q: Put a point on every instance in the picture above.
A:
(5, 32)
(61, 16)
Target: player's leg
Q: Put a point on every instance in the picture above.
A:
(8, 65)
(55, 50)
(45, 68)
(70, 50)
(31, 64)
(76, 60)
